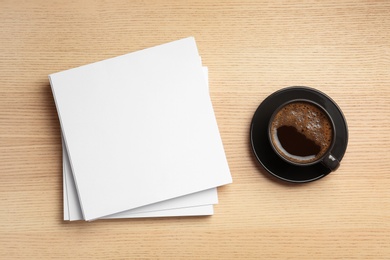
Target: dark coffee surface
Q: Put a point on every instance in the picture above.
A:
(301, 132)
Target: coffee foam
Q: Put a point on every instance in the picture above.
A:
(309, 120)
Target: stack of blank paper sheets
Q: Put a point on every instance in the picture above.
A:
(140, 138)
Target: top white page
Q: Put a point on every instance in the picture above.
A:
(139, 129)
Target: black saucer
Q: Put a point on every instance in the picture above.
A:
(263, 150)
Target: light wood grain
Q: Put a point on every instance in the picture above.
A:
(252, 48)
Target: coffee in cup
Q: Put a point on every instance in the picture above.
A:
(302, 133)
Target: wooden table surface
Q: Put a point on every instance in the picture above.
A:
(252, 48)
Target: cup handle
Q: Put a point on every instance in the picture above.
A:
(331, 162)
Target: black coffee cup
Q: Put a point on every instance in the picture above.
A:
(302, 133)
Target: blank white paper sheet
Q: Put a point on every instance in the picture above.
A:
(139, 129)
